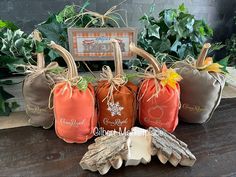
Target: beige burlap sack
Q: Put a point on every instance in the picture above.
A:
(201, 88)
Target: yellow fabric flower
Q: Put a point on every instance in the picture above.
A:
(212, 67)
(170, 77)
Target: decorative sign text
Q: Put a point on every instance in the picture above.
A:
(90, 44)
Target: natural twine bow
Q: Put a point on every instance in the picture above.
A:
(165, 77)
(70, 83)
(115, 82)
(150, 73)
(36, 71)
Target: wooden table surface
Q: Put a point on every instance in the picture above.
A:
(29, 151)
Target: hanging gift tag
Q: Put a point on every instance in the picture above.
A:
(159, 94)
(116, 96)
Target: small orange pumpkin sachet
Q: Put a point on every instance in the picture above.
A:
(159, 94)
(74, 104)
(116, 96)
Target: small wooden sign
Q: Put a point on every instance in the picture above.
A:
(92, 44)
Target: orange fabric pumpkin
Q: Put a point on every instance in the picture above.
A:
(116, 97)
(158, 96)
(74, 109)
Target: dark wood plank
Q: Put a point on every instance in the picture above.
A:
(29, 151)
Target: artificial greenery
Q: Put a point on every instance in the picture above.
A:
(15, 48)
(17, 45)
(173, 35)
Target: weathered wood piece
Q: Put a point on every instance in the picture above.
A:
(107, 151)
(135, 148)
(140, 149)
(168, 148)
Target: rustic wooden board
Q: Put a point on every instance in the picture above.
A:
(29, 151)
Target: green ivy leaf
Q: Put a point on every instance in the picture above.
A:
(179, 29)
(153, 31)
(144, 17)
(57, 70)
(89, 79)
(216, 46)
(5, 95)
(14, 105)
(177, 44)
(54, 31)
(4, 106)
(82, 84)
(182, 8)
(53, 54)
(135, 63)
(169, 17)
(190, 24)
(19, 43)
(40, 46)
(67, 12)
(8, 25)
(185, 50)
(4, 60)
(224, 62)
(86, 4)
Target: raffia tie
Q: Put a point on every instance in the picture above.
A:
(68, 86)
(102, 17)
(156, 77)
(35, 69)
(114, 82)
(190, 61)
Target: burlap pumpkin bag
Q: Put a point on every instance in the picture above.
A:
(116, 96)
(201, 87)
(36, 90)
(158, 95)
(74, 104)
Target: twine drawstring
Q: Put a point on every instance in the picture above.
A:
(157, 77)
(155, 71)
(68, 84)
(30, 69)
(115, 82)
(119, 79)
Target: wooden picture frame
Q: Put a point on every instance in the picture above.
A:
(91, 44)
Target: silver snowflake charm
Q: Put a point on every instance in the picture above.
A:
(114, 108)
